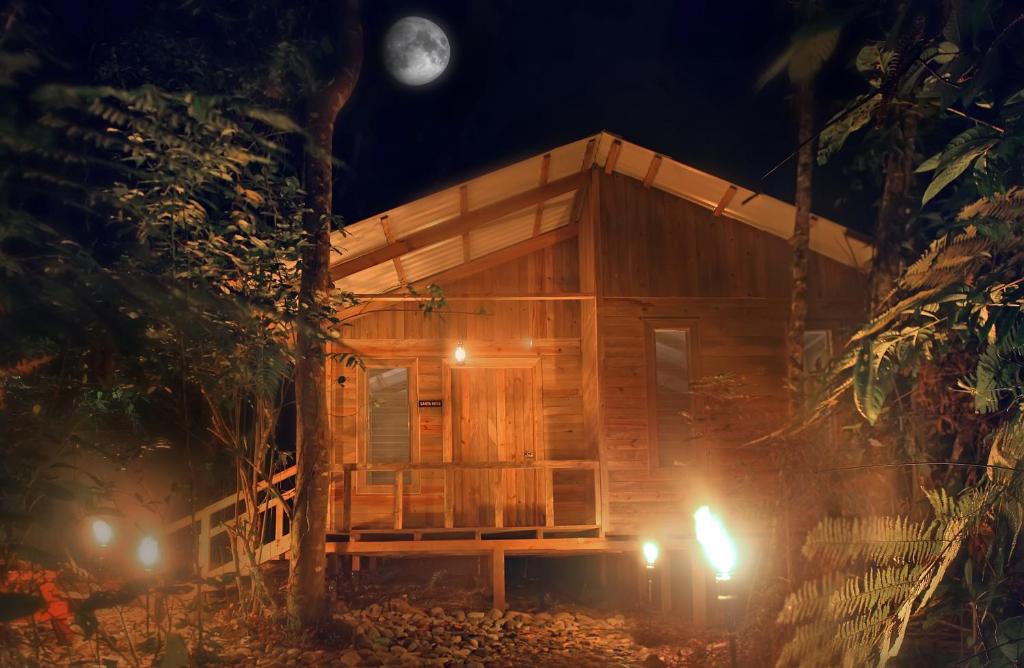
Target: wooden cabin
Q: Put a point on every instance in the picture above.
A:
(622, 317)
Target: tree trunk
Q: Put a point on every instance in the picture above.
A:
(800, 242)
(306, 583)
(894, 209)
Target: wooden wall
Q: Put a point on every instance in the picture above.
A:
(643, 259)
(545, 331)
(663, 261)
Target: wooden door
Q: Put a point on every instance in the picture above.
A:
(495, 418)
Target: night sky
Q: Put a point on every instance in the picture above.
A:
(526, 76)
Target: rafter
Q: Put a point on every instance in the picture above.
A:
(459, 225)
(463, 210)
(727, 196)
(652, 171)
(613, 156)
(399, 271)
(538, 216)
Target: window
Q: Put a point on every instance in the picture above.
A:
(673, 402)
(388, 415)
(817, 355)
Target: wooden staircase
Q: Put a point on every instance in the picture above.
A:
(211, 525)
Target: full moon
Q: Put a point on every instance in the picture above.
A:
(416, 51)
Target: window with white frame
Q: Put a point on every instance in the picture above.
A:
(673, 400)
(389, 428)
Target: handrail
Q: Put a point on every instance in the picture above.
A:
(281, 543)
(577, 464)
(229, 500)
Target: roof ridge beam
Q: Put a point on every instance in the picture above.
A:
(459, 225)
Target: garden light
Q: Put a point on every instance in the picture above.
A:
(148, 552)
(716, 543)
(102, 532)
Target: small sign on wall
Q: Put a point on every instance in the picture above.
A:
(430, 403)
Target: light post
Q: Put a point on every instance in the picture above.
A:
(651, 552)
(148, 553)
(720, 551)
(102, 535)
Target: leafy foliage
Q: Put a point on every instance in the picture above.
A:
(945, 346)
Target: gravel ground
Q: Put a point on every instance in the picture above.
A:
(393, 633)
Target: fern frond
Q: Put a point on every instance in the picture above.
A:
(811, 600)
(1006, 207)
(880, 540)
(878, 590)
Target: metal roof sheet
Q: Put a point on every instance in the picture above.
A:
(758, 210)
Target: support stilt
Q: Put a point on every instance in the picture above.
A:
(498, 579)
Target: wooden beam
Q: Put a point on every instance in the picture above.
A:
(549, 498)
(498, 579)
(499, 498)
(511, 546)
(449, 499)
(538, 216)
(346, 504)
(461, 224)
(463, 210)
(652, 171)
(589, 154)
(389, 237)
(560, 464)
(727, 196)
(665, 583)
(485, 296)
(699, 588)
(507, 254)
(399, 511)
(613, 156)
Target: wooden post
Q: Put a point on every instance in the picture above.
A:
(699, 577)
(449, 500)
(665, 581)
(346, 504)
(399, 480)
(278, 521)
(498, 578)
(204, 544)
(549, 497)
(499, 499)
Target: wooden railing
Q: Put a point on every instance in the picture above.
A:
(547, 467)
(210, 527)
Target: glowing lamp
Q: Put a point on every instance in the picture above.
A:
(460, 354)
(719, 549)
(102, 532)
(651, 551)
(148, 552)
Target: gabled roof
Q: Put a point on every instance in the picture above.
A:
(520, 206)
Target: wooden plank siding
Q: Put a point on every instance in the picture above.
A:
(580, 371)
(669, 260)
(498, 401)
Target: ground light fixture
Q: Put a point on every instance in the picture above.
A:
(720, 551)
(102, 532)
(651, 551)
(460, 353)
